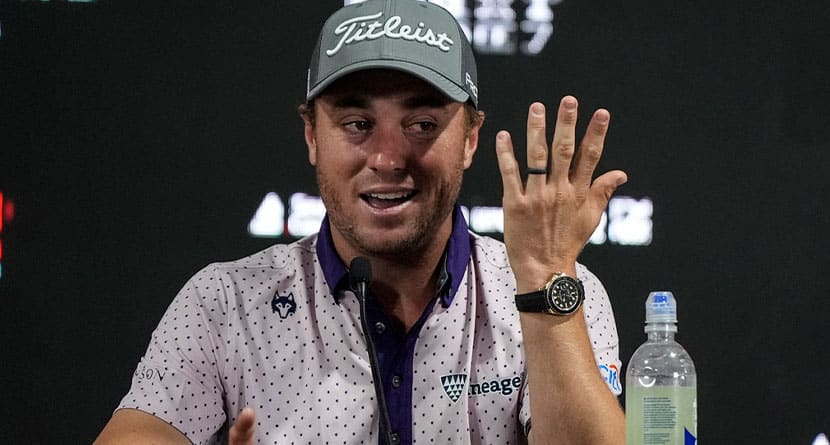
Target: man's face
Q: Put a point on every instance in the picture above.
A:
(390, 152)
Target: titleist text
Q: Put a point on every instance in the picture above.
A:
(365, 28)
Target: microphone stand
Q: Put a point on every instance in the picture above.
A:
(360, 272)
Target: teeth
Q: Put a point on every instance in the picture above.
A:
(397, 195)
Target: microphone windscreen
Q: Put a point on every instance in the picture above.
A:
(360, 270)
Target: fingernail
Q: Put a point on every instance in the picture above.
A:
(537, 109)
(570, 104)
(622, 180)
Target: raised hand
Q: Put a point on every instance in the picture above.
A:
(548, 219)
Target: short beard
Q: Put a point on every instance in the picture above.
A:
(411, 246)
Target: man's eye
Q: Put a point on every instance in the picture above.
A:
(424, 127)
(358, 126)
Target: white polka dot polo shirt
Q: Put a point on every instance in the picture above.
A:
(280, 331)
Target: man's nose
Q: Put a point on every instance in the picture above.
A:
(387, 150)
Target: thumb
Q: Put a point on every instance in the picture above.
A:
(242, 431)
(604, 187)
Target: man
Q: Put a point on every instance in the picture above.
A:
(471, 347)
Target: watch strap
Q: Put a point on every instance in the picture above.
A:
(535, 301)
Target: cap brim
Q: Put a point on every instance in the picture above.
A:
(440, 82)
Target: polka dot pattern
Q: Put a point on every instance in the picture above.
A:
(265, 332)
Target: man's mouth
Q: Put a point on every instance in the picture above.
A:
(387, 200)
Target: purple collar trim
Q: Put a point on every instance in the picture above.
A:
(456, 258)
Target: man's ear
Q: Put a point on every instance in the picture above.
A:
(310, 139)
(471, 142)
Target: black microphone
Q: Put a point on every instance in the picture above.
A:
(360, 275)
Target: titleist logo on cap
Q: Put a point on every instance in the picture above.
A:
(367, 28)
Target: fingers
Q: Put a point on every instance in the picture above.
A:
(537, 146)
(548, 219)
(242, 431)
(509, 168)
(604, 187)
(590, 150)
(564, 139)
(561, 159)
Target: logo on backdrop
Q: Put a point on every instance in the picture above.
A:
(502, 26)
(359, 29)
(284, 306)
(454, 385)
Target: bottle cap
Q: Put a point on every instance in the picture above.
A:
(661, 307)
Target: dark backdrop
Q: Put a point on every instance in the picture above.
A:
(137, 141)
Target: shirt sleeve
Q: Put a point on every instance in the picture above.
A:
(602, 332)
(602, 329)
(178, 378)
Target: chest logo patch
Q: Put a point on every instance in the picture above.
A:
(454, 385)
(284, 305)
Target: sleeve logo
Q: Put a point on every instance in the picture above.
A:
(611, 375)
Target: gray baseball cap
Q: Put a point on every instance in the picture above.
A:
(414, 36)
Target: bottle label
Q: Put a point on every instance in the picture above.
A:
(661, 415)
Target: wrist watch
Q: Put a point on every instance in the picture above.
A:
(562, 295)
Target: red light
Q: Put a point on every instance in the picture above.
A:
(2, 217)
(8, 210)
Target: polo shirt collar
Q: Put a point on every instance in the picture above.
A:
(454, 261)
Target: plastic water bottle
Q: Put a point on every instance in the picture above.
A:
(661, 383)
